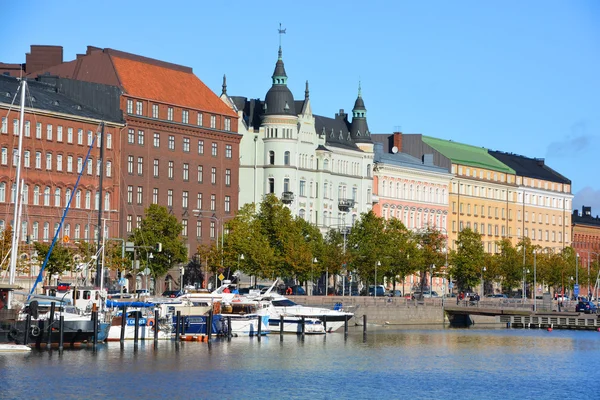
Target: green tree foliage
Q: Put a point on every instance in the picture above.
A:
(61, 259)
(468, 260)
(509, 264)
(158, 226)
(401, 251)
(366, 243)
(432, 245)
(332, 258)
(5, 245)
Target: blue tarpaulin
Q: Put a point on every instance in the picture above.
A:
(112, 303)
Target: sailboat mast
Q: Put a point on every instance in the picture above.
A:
(99, 268)
(14, 252)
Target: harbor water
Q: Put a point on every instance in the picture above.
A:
(388, 363)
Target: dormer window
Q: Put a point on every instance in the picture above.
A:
(358, 133)
(349, 136)
(287, 107)
(331, 134)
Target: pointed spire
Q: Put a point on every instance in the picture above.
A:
(359, 89)
(280, 54)
(306, 94)
(224, 87)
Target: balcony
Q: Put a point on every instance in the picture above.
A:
(344, 205)
(287, 197)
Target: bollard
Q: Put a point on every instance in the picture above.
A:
(346, 325)
(177, 326)
(61, 329)
(38, 340)
(155, 327)
(303, 325)
(123, 323)
(137, 328)
(50, 323)
(95, 322)
(259, 328)
(365, 323)
(281, 327)
(229, 334)
(27, 329)
(209, 325)
(325, 323)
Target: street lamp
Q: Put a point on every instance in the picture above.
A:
(534, 280)
(377, 264)
(312, 276)
(431, 268)
(482, 282)
(150, 257)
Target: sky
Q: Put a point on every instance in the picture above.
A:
(516, 76)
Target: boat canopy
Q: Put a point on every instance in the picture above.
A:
(112, 303)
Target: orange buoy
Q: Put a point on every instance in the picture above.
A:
(549, 329)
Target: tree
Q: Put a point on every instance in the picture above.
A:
(509, 264)
(431, 244)
(5, 246)
(400, 251)
(158, 226)
(365, 243)
(60, 260)
(468, 260)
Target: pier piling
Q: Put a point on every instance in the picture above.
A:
(50, 323)
(229, 328)
(281, 328)
(61, 329)
(177, 325)
(155, 327)
(27, 329)
(325, 323)
(303, 326)
(95, 322)
(137, 328)
(345, 326)
(259, 327)
(209, 325)
(123, 323)
(365, 324)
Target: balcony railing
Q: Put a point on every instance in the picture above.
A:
(287, 197)
(345, 205)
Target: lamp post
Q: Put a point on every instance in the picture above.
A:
(482, 282)
(534, 295)
(150, 257)
(312, 276)
(431, 268)
(377, 264)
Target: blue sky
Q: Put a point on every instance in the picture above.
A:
(516, 76)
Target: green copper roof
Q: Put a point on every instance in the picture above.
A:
(465, 154)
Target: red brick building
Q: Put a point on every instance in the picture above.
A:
(586, 238)
(180, 147)
(39, 58)
(57, 135)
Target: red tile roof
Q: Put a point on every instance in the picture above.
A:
(168, 85)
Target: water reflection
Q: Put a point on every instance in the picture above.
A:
(395, 363)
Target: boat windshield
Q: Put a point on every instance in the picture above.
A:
(283, 303)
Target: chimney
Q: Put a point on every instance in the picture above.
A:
(539, 162)
(586, 211)
(397, 141)
(341, 115)
(41, 57)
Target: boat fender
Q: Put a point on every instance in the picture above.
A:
(35, 331)
(150, 322)
(13, 334)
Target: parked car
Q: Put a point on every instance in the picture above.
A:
(393, 293)
(426, 294)
(172, 293)
(142, 293)
(561, 297)
(586, 307)
(376, 291)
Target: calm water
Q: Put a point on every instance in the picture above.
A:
(391, 363)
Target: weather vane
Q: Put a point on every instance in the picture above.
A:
(281, 32)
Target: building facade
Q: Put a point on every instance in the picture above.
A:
(180, 148)
(586, 236)
(320, 167)
(57, 134)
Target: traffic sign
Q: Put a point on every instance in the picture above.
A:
(66, 239)
(576, 290)
(221, 277)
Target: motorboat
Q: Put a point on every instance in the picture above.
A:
(279, 305)
(146, 321)
(14, 348)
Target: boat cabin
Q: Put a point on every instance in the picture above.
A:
(79, 296)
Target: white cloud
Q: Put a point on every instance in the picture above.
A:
(588, 196)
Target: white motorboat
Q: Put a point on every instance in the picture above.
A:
(146, 326)
(278, 305)
(14, 348)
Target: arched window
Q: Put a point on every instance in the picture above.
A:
(106, 201)
(77, 231)
(368, 170)
(301, 213)
(46, 231)
(34, 231)
(286, 158)
(271, 157)
(47, 196)
(2, 192)
(326, 164)
(57, 196)
(312, 159)
(391, 189)
(88, 199)
(398, 193)
(384, 188)
(25, 194)
(36, 195)
(78, 199)
(67, 196)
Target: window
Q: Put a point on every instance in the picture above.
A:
(170, 198)
(227, 177)
(59, 133)
(27, 129)
(171, 142)
(286, 184)
(199, 119)
(59, 159)
(170, 171)
(155, 168)
(199, 201)
(186, 172)
(214, 150)
(109, 141)
(69, 163)
(186, 145)
(129, 106)
(141, 138)
(4, 156)
(212, 229)
(286, 159)
(302, 188)
(200, 146)
(108, 169)
(199, 229)
(2, 192)
(184, 199)
(79, 136)
(47, 196)
(213, 175)
(155, 196)
(184, 227)
(271, 185)
(227, 204)
(57, 196)
(228, 151)
(140, 166)
(140, 195)
(48, 161)
(156, 141)
(129, 220)
(26, 159)
(213, 121)
(16, 127)
(38, 130)
(129, 194)
(138, 107)
(88, 199)
(46, 231)
(4, 128)
(49, 132)
(271, 157)
(38, 159)
(213, 202)
(130, 165)
(185, 114)
(131, 136)
(170, 113)
(154, 110)
(78, 199)
(200, 174)
(90, 138)
(227, 124)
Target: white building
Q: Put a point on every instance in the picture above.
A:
(316, 165)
